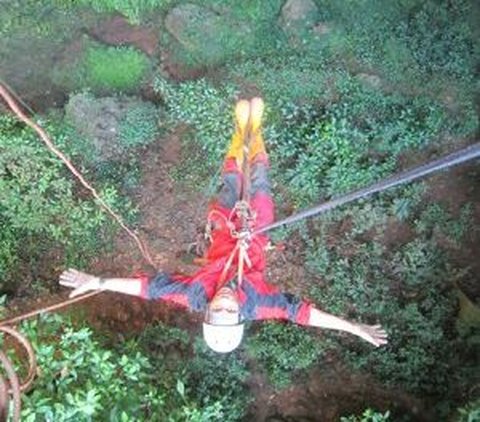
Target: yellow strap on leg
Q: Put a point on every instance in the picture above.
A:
(248, 122)
(236, 148)
(242, 115)
(257, 145)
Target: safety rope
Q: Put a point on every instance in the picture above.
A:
(50, 308)
(469, 153)
(243, 210)
(14, 386)
(45, 138)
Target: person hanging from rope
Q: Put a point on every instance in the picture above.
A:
(231, 287)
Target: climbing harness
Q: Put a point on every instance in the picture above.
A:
(240, 221)
(243, 211)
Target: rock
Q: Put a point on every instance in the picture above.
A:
(370, 80)
(298, 17)
(322, 28)
(205, 34)
(107, 124)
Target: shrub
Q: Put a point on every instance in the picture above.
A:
(208, 110)
(368, 415)
(82, 380)
(9, 250)
(282, 349)
(218, 379)
(139, 126)
(114, 68)
(407, 289)
(38, 200)
(133, 10)
(470, 412)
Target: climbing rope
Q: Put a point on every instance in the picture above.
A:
(44, 310)
(45, 138)
(469, 153)
(14, 386)
(243, 210)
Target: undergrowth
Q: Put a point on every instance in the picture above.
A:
(85, 378)
(134, 10)
(39, 203)
(103, 69)
(384, 86)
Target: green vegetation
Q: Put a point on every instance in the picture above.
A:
(221, 31)
(117, 68)
(469, 413)
(140, 126)
(282, 349)
(374, 88)
(368, 416)
(39, 205)
(126, 385)
(104, 69)
(37, 19)
(133, 10)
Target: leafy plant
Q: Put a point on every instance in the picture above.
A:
(282, 349)
(82, 378)
(208, 110)
(133, 10)
(221, 31)
(470, 412)
(38, 202)
(116, 68)
(368, 415)
(140, 126)
(219, 379)
(436, 219)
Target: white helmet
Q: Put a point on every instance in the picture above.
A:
(223, 338)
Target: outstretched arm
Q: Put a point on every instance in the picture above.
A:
(374, 334)
(82, 282)
(183, 291)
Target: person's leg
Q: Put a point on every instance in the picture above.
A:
(260, 187)
(232, 167)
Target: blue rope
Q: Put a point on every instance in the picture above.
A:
(469, 153)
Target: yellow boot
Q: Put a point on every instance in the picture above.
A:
(257, 145)
(242, 114)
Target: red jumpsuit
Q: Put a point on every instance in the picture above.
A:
(258, 299)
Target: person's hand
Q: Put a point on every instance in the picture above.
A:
(79, 281)
(374, 334)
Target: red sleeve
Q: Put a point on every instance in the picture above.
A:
(285, 307)
(144, 279)
(265, 301)
(184, 291)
